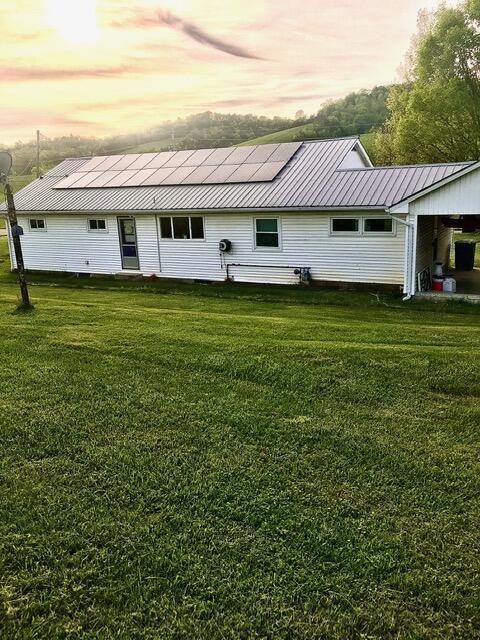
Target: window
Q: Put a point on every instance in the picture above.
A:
(182, 228)
(97, 225)
(378, 225)
(266, 232)
(345, 225)
(37, 224)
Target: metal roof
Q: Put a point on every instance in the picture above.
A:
(313, 178)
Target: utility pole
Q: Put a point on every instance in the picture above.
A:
(15, 230)
(38, 153)
(173, 138)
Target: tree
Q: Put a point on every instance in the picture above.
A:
(434, 116)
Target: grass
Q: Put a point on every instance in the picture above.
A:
(237, 462)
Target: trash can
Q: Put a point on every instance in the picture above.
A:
(465, 254)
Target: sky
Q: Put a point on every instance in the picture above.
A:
(103, 67)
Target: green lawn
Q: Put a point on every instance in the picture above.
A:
(237, 462)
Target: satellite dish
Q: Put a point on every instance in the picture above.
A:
(5, 164)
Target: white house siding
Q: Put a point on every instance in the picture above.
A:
(461, 196)
(67, 245)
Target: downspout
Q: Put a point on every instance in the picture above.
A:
(409, 259)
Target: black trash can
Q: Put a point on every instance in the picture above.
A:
(465, 255)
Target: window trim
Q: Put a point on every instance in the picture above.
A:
(361, 227)
(97, 230)
(173, 239)
(36, 229)
(278, 232)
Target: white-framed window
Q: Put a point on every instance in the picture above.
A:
(345, 226)
(37, 224)
(97, 224)
(267, 233)
(362, 226)
(182, 228)
(378, 225)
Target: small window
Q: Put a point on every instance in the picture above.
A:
(37, 224)
(378, 225)
(266, 232)
(182, 228)
(345, 225)
(97, 224)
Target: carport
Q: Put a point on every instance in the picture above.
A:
(432, 216)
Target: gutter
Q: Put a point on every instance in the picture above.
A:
(409, 225)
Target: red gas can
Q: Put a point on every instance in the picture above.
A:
(437, 284)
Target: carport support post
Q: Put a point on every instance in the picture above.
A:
(17, 246)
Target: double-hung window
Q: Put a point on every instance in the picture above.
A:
(267, 232)
(182, 227)
(37, 224)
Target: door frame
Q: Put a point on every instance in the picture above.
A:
(132, 218)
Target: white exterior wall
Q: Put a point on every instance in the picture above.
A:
(67, 245)
(460, 196)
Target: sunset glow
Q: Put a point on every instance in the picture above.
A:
(102, 67)
(76, 22)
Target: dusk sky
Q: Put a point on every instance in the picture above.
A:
(103, 67)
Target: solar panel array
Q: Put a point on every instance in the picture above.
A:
(260, 163)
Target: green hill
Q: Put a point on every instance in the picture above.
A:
(306, 132)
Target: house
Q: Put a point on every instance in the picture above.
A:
(287, 212)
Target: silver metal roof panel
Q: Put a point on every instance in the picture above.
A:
(310, 179)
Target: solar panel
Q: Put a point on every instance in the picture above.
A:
(219, 156)
(125, 162)
(267, 172)
(102, 178)
(262, 153)
(85, 179)
(65, 183)
(143, 160)
(159, 160)
(139, 177)
(244, 172)
(199, 174)
(178, 159)
(239, 155)
(198, 157)
(285, 152)
(158, 177)
(120, 179)
(108, 163)
(221, 174)
(179, 174)
(94, 162)
(260, 163)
